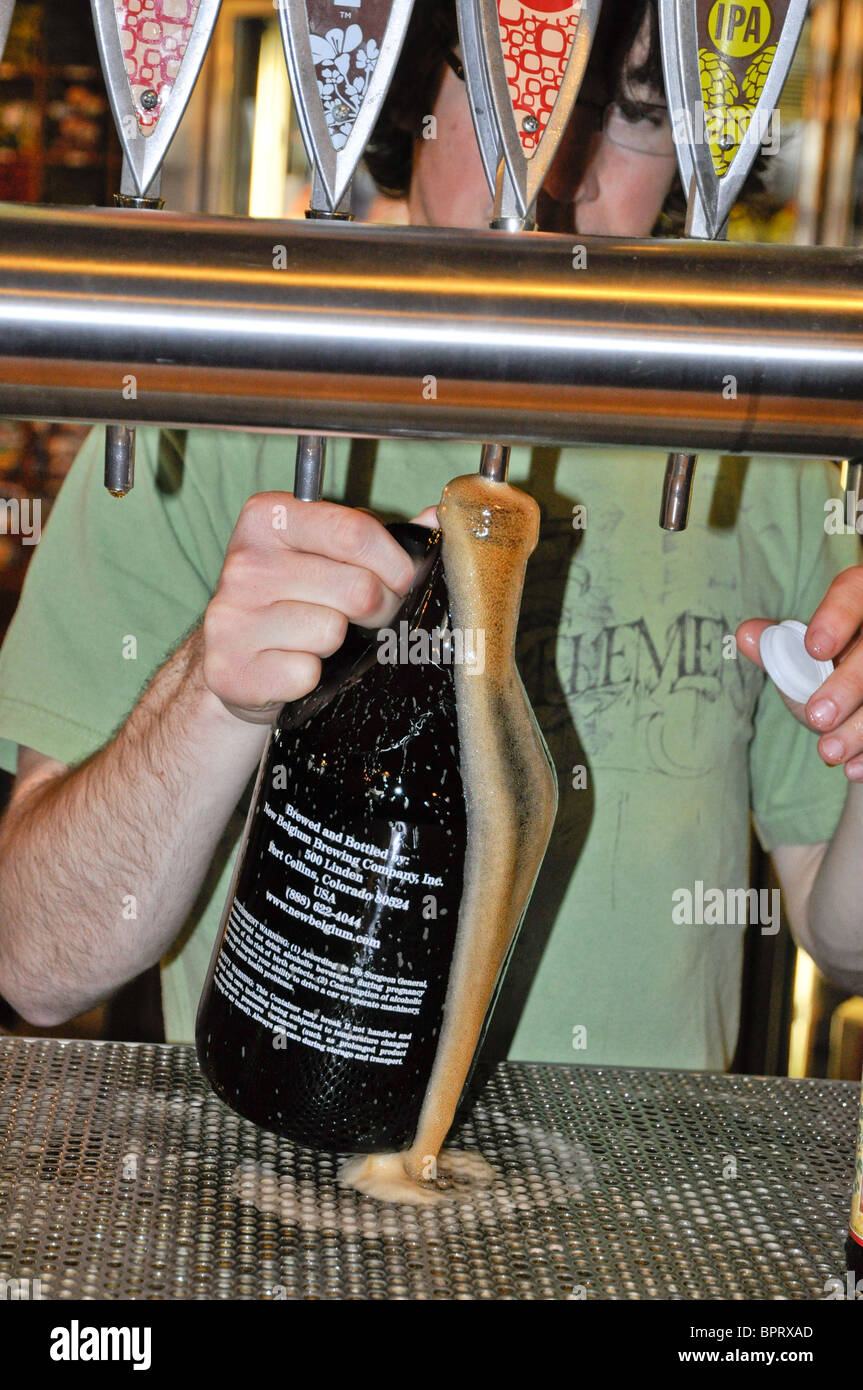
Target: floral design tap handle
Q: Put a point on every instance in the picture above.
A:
(345, 60)
(340, 74)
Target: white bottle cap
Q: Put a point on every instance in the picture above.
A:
(788, 664)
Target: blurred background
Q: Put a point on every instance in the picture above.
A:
(239, 151)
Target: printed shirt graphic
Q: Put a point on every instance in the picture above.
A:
(660, 741)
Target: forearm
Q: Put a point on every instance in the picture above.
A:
(835, 916)
(100, 866)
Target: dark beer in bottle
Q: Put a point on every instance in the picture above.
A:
(322, 1008)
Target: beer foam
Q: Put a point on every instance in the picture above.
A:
(387, 1178)
(489, 531)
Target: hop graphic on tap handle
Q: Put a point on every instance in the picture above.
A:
(756, 74)
(725, 66)
(726, 118)
(717, 79)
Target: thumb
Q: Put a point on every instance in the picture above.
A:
(428, 517)
(749, 637)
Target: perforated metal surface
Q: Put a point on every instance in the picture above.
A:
(122, 1176)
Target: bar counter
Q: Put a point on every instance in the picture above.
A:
(123, 1177)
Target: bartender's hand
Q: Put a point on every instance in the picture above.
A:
(295, 574)
(835, 711)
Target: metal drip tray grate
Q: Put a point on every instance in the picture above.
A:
(122, 1176)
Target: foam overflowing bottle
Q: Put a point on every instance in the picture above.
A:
(400, 817)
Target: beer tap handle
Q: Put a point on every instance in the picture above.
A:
(150, 60)
(335, 135)
(309, 472)
(494, 462)
(724, 68)
(680, 467)
(6, 10)
(519, 118)
(852, 482)
(518, 121)
(677, 491)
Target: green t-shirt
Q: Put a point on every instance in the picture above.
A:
(621, 650)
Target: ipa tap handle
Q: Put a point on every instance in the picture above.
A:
(705, 69)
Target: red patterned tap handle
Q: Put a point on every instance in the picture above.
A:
(537, 37)
(154, 36)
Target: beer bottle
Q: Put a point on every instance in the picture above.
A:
(322, 1008)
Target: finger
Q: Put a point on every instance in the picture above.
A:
(427, 517)
(294, 627)
(233, 638)
(325, 528)
(257, 687)
(844, 742)
(748, 636)
(256, 578)
(840, 696)
(854, 770)
(272, 678)
(838, 617)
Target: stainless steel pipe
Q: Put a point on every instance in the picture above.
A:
(333, 328)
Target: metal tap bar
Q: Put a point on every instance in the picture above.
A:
(323, 327)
